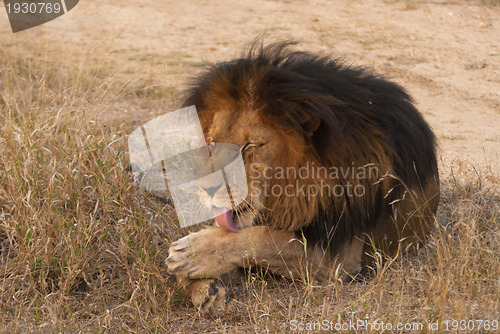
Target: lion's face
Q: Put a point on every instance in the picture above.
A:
(262, 146)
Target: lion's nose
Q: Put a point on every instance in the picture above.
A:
(212, 190)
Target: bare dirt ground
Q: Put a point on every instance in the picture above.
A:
(127, 61)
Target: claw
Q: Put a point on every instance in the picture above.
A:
(192, 271)
(176, 268)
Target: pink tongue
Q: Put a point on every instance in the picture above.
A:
(225, 219)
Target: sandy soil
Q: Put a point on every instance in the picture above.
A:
(447, 54)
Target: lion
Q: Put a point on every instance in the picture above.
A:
(339, 164)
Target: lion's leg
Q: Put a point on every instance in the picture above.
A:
(201, 260)
(212, 252)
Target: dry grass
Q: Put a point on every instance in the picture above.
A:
(82, 250)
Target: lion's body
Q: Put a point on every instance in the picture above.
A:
(292, 112)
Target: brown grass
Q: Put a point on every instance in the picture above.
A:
(82, 250)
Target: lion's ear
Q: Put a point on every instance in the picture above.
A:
(310, 123)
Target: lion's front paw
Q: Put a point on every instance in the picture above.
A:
(216, 297)
(201, 255)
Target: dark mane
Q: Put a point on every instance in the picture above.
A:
(363, 119)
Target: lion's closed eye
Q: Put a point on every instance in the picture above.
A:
(249, 145)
